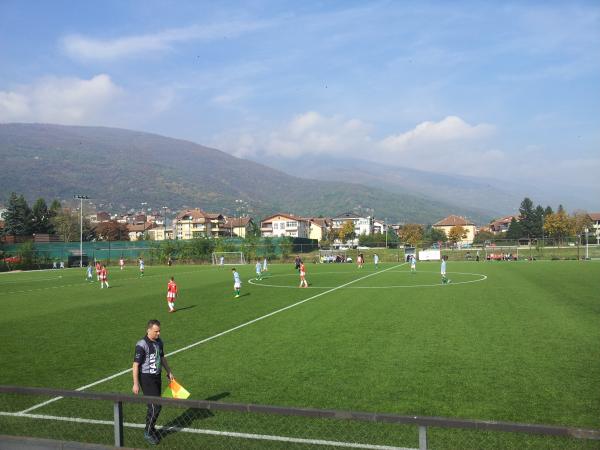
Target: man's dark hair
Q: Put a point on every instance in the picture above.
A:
(152, 322)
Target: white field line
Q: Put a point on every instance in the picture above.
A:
(245, 324)
(263, 437)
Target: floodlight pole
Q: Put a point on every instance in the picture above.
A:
(386, 232)
(81, 198)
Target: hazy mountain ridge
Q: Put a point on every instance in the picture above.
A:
(129, 167)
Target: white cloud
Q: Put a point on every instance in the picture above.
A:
(450, 145)
(59, 100)
(450, 129)
(86, 48)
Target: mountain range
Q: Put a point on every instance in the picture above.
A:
(123, 169)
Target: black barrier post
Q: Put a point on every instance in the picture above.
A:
(118, 412)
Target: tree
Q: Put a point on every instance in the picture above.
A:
(527, 217)
(347, 231)
(538, 221)
(457, 233)
(483, 236)
(112, 231)
(580, 221)
(17, 218)
(515, 230)
(411, 233)
(40, 220)
(433, 235)
(558, 225)
(66, 225)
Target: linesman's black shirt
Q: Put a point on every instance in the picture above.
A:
(148, 355)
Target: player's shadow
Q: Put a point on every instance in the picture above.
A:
(189, 416)
(186, 307)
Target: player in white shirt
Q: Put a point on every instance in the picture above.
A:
(445, 279)
(413, 264)
(265, 268)
(376, 260)
(221, 261)
(142, 267)
(237, 283)
(121, 263)
(258, 270)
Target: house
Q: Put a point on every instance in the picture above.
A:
(451, 221)
(595, 230)
(100, 216)
(281, 224)
(137, 230)
(239, 226)
(501, 225)
(160, 233)
(362, 225)
(378, 226)
(319, 227)
(193, 223)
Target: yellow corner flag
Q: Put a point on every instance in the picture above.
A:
(176, 390)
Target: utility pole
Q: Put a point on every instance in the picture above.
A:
(81, 197)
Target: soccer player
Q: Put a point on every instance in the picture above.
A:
(265, 268)
(121, 263)
(360, 260)
(221, 261)
(258, 270)
(90, 277)
(141, 267)
(104, 277)
(98, 269)
(376, 260)
(237, 283)
(303, 282)
(445, 279)
(171, 294)
(413, 264)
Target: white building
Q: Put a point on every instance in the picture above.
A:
(595, 230)
(362, 225)
(279, 225)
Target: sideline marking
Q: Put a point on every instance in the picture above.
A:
(262, 437)
(95, 383)
(454, 283)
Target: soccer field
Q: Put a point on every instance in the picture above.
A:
(508, 341)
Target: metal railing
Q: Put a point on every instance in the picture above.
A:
(423, 423)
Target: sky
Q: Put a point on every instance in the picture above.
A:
(509, 90)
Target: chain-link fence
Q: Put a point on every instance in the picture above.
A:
(119, 420)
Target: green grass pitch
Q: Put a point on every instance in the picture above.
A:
(508, 341)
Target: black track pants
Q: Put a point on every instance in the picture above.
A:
(151, 385)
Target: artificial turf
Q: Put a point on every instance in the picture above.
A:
(508, 341)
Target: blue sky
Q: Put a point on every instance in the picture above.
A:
(475, 88)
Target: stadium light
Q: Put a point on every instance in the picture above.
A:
(165, 221)
(81, 197)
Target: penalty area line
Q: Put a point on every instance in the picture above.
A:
(262, 437)
(245, 324)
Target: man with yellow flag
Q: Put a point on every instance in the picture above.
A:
(148, 362)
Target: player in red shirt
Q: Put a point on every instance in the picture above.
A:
(104, 277)
(303, 282)
(98, 269)
(171, 294)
